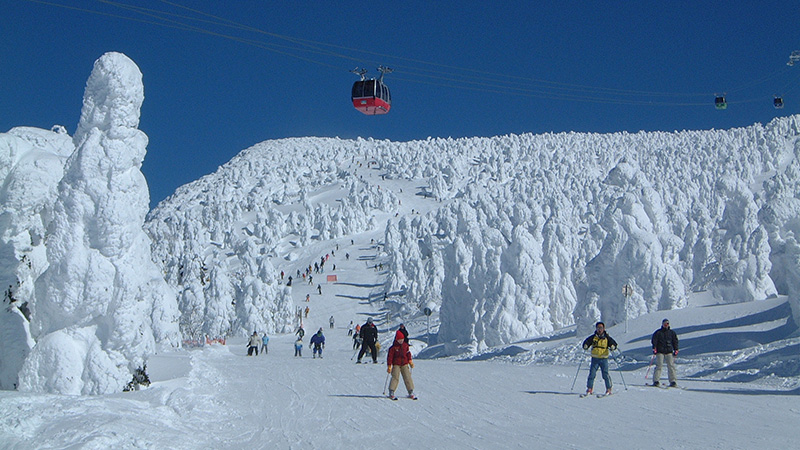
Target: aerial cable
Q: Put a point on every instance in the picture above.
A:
(157, 14)
(487, 88)
(522, 81)
(485, 75)
(184, 27)
(762, 80)
(468, 79)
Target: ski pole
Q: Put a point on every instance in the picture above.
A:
(649, 366)
(619, 368)
(386, 384)
(576, 374)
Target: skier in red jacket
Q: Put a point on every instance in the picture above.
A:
(399, 362)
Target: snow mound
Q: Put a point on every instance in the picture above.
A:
(102, 305)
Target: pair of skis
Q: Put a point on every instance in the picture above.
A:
(586, 394)
(394, 397)
(665, 386)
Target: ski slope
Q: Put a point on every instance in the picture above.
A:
(518, 396)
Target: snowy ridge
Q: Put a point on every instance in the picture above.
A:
(523, 234)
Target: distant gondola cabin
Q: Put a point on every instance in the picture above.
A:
(371, 97)
(720, 103)
(777, 102)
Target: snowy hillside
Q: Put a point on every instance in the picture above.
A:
(738, 367)
(511, 237)
(507, 239)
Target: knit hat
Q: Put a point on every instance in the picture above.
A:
(399, 335)
(665, 321)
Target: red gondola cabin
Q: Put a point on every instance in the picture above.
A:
(371, 97)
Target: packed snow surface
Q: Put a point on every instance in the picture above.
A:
(737, 369)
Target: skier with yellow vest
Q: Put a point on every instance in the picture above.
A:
(601, 344)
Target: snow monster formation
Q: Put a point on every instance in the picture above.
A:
(102, 305)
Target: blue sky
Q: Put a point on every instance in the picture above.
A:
(462, 69)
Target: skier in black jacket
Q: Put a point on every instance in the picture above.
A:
(403, 330)
(369, 335)
(665, 346)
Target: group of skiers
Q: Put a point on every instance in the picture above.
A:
(665, 348)
(254, 342)
(399, 360)
(317, 342)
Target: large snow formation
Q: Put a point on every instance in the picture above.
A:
(31, 164)
(522, 235)
(101, 305)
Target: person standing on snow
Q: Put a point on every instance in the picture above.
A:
(331, 321)
(369, 335)
(298, 347)
(350, 329)
(300, 332)
(665, 347)
(600, 343)
(264, 342)
(399, 362)
(252, 345)
(318, 343)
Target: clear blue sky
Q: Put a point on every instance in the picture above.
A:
(462, 69)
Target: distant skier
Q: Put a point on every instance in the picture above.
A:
(331, 322)
(665, 346)
(369, 335)
(350, 329)
(318, 343)
(319, 289)
(298, 347)
(600, 343)
(399, 362)
(264, 343)
(289, 283)
(252, 345)
(356, 340)
(402, 329)
(307, 310)
(300, 332)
